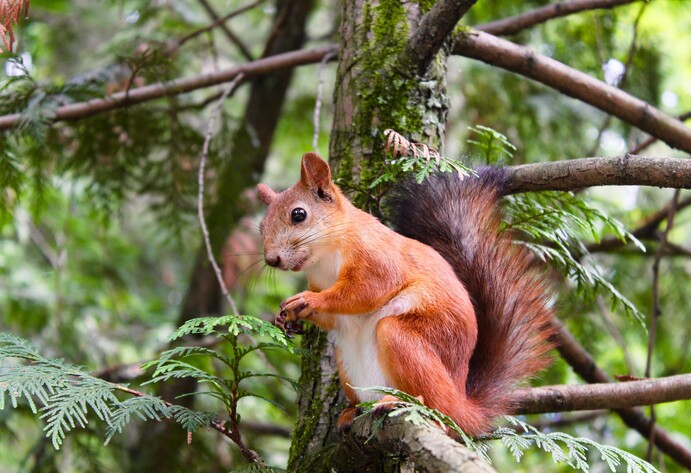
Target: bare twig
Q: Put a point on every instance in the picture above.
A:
(514, 24)
(318, 103)
(615, 333)
(217, 22)
(622, 79)
(249, 454)
(647, 229)
(574, 83)
(200, 200)
(232, 37)
(652, 328)
(651, 139)
(568, 419)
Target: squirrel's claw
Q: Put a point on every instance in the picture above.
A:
(289, 327)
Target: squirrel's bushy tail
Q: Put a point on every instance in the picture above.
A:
(460, 219)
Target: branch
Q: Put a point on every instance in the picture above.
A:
(647, 229)
(514, 24)
(651, 139)
(232, 37)
(628, 170)
(426, 448)
(574, 83)
(219, 426)
(603, 395)
(584, 365)
(217, 22)
(180, 86)
(433, 30)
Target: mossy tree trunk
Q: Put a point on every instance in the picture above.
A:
(383, 82)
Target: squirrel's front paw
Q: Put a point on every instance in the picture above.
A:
(292, 310)
(297, 307)
(289, 327)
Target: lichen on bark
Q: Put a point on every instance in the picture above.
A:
(376, 92)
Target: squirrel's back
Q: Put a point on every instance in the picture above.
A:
(460, 218)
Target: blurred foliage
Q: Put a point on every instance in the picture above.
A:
(97, 217)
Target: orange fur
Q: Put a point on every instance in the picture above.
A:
(402, 315)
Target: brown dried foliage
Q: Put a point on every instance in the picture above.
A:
(10, 11)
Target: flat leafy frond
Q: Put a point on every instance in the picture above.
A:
(494, 146)
(177, 369)
(68, 394)
(576, 448)
(231, 324)
(554, 225)
(69, 406)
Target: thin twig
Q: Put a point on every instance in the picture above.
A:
(318, 103)
(249, 454)
(577, 84)
(517, 23)
(605, 395)
(228, 32)
(615, 333)
(217, 22)
(202, 222)
(200, 200)
(651, 139)
(624, 75)
(652, 330)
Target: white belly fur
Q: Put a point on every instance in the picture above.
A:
(356, 340)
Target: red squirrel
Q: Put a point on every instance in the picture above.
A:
(447, 309)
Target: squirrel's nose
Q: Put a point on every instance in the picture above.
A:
(273, 260)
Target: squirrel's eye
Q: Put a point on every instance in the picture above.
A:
(298, 215)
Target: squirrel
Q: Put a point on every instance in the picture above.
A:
(446, 308)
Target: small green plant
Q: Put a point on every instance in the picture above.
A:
(517, 438)
(494, 146)
(66, 395)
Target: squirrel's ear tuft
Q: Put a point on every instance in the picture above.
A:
(266, 194)
(316, 175)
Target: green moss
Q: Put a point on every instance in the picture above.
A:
(303, 456)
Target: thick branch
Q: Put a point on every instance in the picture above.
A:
(514, 24)
(584, 365)
(522, 60)
(417, 447)
(434, 29)
(628, 170)
(179, 86)
(603, 395)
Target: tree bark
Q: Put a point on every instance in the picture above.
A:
(397, 445)
(628, 170)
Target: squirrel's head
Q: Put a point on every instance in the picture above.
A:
(299, 222)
